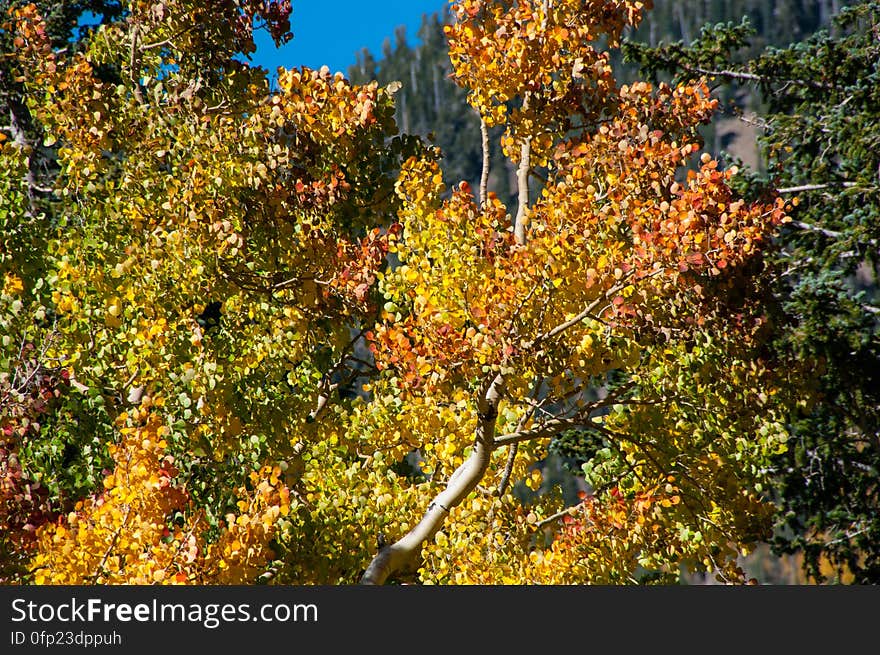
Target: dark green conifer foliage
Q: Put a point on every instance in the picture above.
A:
(820, 141)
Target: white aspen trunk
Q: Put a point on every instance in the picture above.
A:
(522, 183)
(402, 554)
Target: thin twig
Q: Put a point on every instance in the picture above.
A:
(511, 456)
(568, 511)
(112, 545)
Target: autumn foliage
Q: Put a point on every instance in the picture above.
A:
(123, 536)
(314, 363)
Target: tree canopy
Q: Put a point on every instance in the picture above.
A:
(252, 334)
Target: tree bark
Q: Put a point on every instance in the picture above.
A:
(401, 555)
(522, 181)
(484, 176)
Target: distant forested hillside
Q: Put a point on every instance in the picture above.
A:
(431, 105)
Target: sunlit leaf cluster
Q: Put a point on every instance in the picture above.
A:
(303, 359)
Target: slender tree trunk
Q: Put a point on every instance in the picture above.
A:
(511, 176)
(403, 554)
(19, 120)
(522, 184)
(682, 24)
(412, 74)
(402, 113)
(436, 91)
(484, 176)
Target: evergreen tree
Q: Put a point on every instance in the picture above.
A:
(431, 105)
(820, 143)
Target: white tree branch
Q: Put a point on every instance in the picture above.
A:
(400, 555)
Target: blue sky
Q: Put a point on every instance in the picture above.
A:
(331, 31)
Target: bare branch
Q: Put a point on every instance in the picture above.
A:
(748, 77)
(511, 455)
(508, 469)
(568, 511)
(545, 429)
(562, 327)
(554, 426)
(112, 545)
(734, 75)
(326, 387)
(158, 44)
(170, 39)
(813, 187)
(134, 63)
(586, 313)
(815, 228)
